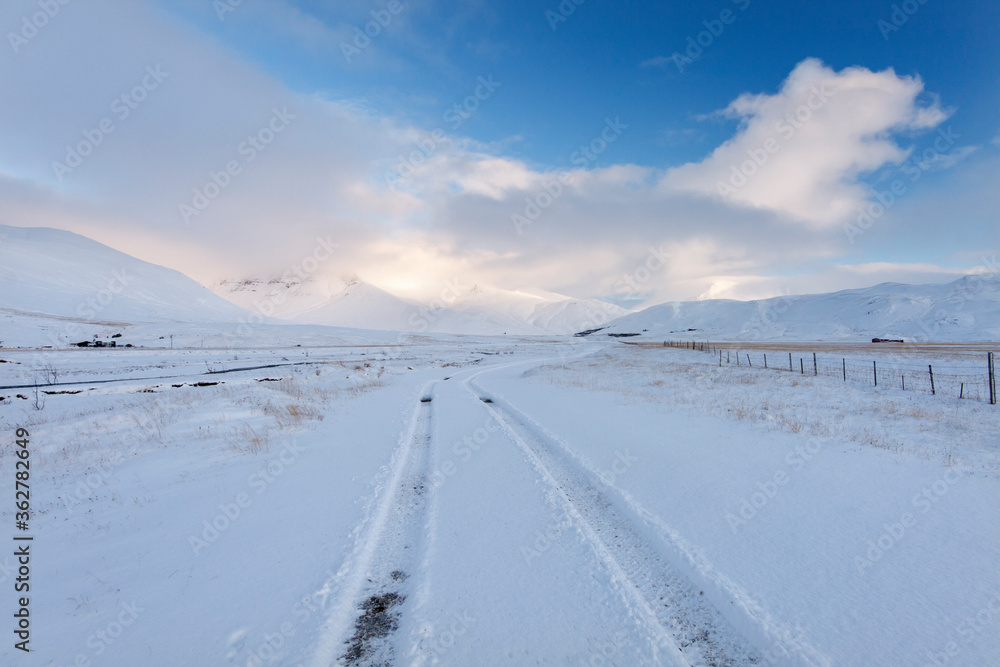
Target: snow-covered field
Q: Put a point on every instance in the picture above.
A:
(460, 501)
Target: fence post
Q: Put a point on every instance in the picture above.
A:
(902, 378)
(875, 372)
(720, 358)
(844, 362)
(993, 381)
(748, 360)
(737, 357)
(727, 357)
(765, 361)
(802, 366)
(961, 390)
(790, 362)
(931, 371)
(815, 367)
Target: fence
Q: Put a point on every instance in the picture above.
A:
(943, 380)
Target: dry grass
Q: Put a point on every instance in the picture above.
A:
(962, 433)
(245, 439)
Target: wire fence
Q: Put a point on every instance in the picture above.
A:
(942, 380)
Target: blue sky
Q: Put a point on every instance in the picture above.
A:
(561, 77)
(912, 110)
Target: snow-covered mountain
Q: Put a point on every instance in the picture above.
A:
(545, 312)
(52, 272)
(61, 276)
(362, 305)
(461, 309)
(967, 309)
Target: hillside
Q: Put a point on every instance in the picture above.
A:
(967, 309)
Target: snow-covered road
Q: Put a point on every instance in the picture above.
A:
(507, 503)
(480, 503)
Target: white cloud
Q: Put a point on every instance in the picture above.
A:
(800, 151)
(451, 218)
(656, 61)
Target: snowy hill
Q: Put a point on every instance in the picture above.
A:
(49, 276)
(53, 275)
(57, 273)
(365, 306)
(283, 297)
(967, 309)
(460, 310)
(534, 311)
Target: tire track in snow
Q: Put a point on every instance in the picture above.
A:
(689, 631)
(660, 563)
(370, 589)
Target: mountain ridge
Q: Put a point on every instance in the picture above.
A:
(963, 310)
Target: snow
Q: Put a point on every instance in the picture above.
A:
(235, 489)
(610, 504)
(459, 309)
(967, 309)
(57, 273)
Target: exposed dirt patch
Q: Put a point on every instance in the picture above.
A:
(377, 621)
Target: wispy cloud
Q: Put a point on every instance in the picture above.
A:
(323, 175)
(658, 61)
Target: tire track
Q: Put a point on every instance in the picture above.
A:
(691, 630)
(370, 589)
(743, 616)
